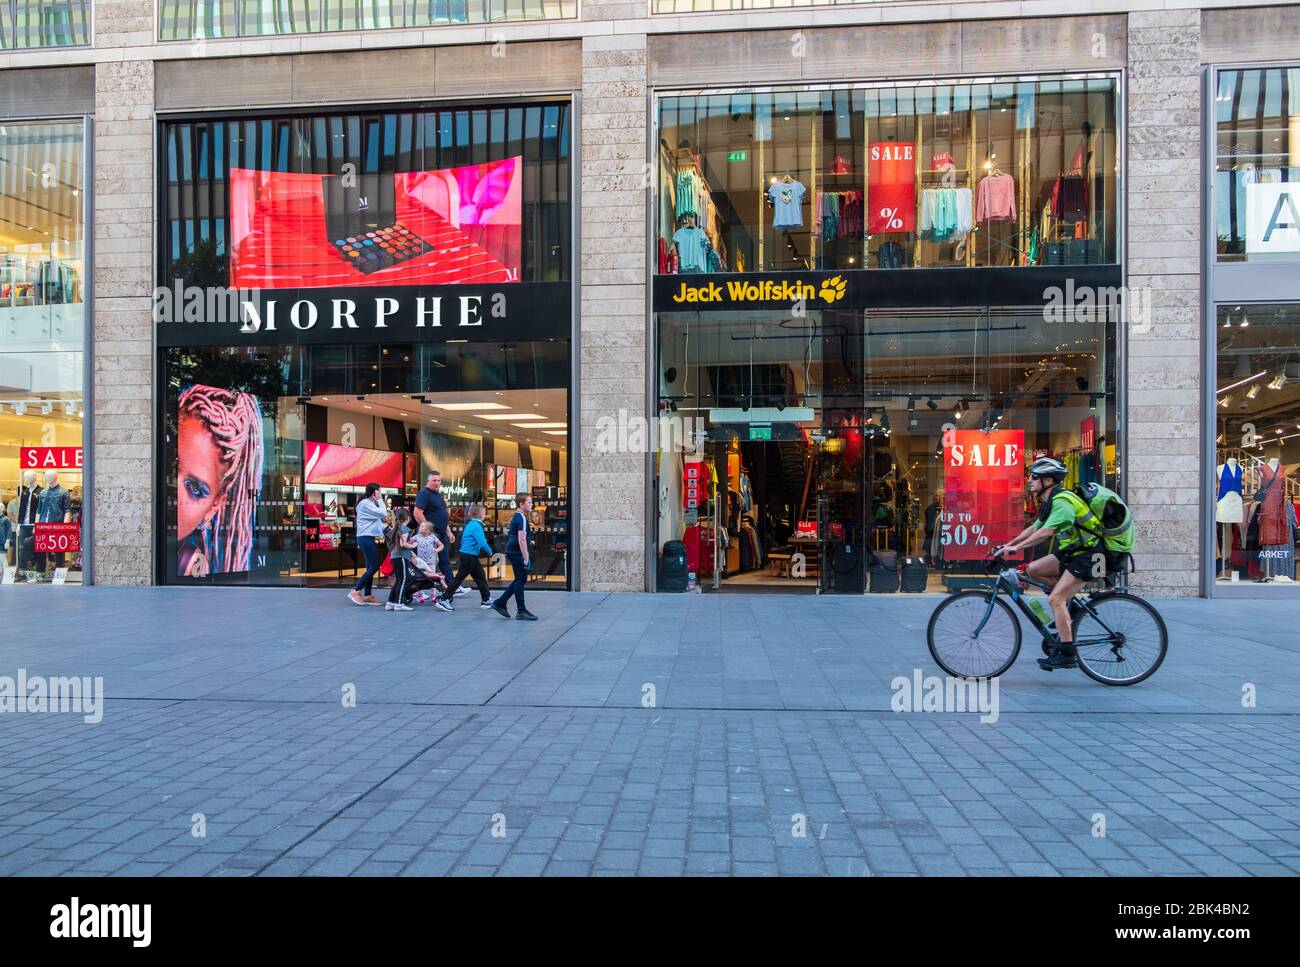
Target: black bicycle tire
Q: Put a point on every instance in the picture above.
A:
(1100, 601)
(983, 596)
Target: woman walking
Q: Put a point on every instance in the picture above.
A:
(371, 514)
(401, 550)
(473, 542)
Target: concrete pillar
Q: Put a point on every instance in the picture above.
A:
(613, 307)
(1163, 470)
(122, 513)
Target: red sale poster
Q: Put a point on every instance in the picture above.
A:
(891, 186)
(983, 492)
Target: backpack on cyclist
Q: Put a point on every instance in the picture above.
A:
(1116, 533)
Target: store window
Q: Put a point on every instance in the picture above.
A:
(1255, 488)
(267, 452)
(39, 23)
(1257, 164)
(930, 175)
(42, 335)
(853, 450)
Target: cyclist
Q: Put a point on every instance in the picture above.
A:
(1073, 559)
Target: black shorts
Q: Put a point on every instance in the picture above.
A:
(1083, 564)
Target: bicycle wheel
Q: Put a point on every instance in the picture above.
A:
(1124, 643)
(954, 645)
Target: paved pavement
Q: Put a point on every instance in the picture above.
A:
(626, 733)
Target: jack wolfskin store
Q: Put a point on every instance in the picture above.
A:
(360, 297)
(875, 304)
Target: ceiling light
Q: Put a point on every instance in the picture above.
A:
(20, 408)
(556, 432)
(1277, 382)
(458, 407)
(1243, 382)
(1252, 392)
(542, 426)
(506, 416)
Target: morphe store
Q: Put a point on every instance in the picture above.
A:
(360, 297)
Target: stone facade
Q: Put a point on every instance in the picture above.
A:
(122, 512)
(613, 322)
(1163, 419)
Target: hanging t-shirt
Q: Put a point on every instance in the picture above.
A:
(693, 249)
(787, 196)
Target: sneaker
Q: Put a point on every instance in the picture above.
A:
(1060, 658)
(371, 599)
(462, 590)
(442, 604)
(356, 598)
(500, 609)
(525, 616)
(422, 597)
(397, 607)
(486, 604)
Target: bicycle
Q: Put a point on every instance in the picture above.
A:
(1120, 639)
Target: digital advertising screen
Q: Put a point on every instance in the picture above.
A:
(339, 466)
(451, 226)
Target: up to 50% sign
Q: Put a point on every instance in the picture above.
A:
(959, 530)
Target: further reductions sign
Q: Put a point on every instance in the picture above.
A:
(891, 186)
(983, 491)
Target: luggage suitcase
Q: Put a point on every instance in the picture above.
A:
(672, 568)
(884, 580)
(848, 575)
(915, 574)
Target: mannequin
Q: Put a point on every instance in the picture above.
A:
(29, 496)
(1229, 509)
(1276, 524)
(54, 507)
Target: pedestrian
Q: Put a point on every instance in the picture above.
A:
(425, 582)
(371, 514)
(518, 555)
(401, 546)
(473, 542)
(430, 505)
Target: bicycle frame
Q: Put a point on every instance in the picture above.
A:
(1079, 602)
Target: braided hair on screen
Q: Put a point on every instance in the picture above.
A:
(235, 422)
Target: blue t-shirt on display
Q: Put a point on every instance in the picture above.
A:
(787, 196)
(693, 249)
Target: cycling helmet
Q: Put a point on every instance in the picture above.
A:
(1048, 467)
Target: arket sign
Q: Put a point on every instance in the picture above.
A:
(49, 458)
(1273, 219)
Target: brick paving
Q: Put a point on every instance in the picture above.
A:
(484, 747)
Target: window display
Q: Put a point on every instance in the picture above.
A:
(929, 174)
(1255, 489)
(42, 330)
(1257, 151)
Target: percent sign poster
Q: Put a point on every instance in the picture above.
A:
(983, 491)
(891, 186)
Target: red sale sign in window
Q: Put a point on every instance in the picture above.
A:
(695, 485)
(50, 458)
(57, 538)
(891, 186)
(983, 492)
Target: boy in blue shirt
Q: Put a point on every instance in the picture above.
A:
(473, 542)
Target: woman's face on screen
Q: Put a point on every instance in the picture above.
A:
(199, 470)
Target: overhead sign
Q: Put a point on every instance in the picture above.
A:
(983, 492)
(1273, 219)
(891, 186)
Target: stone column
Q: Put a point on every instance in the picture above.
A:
(1164, 466)
(122, 512)
(613, 308)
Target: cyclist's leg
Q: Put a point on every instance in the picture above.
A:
(1067, 586)
(1044, 569)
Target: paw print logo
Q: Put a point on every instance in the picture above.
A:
(833, 289)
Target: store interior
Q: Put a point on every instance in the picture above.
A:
(1255, 483)
(824, 467)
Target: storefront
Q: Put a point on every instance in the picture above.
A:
(1253, 329)
(350, 298)
(43, 348)
(875, 305)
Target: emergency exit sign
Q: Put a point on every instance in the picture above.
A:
(737, 155)
(760, 433)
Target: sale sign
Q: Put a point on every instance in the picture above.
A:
(695, 484)
(50, 458)
(891, 186)
(1088, 433)
(57, 538)
(983, 491)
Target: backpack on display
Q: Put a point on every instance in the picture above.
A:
(848, 576)
(1117, 532)
(915, 575)
(672, 568)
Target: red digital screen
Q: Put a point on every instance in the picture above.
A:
(339, 466)
(444, 227)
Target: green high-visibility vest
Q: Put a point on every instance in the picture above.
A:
(1086, 530)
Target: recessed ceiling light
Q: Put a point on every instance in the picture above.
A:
(506, 416)
(466, 407)
(541, 426)
(556, 432)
